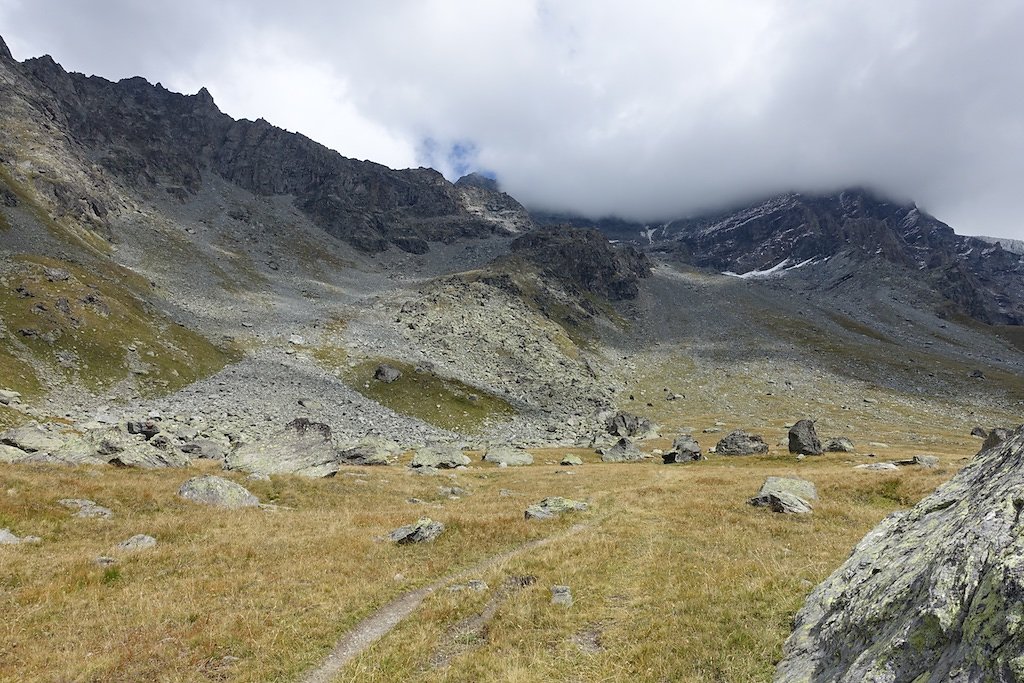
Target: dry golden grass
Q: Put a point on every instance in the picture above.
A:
(675, 577)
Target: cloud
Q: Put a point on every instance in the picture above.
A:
(646, 109)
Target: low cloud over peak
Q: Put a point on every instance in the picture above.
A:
(647, 110)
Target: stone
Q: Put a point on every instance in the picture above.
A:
(624, 450)
(632, 426)
(979, 431)
(739, 442)
(549, 508)
(785, 503)
(685, 448)
(931, 594)
(105, 561)
(9, 398)
(877, 466)
(218, 492)
(205, 449)
(839, 444)
(800, 488)
(10, 454)
(147, 428)
(571, 461)
(8, 538)
(507, 456)
(803, 439)
(423, 530)
(445, 458)
(32, 439)
(370, 451)
(303, 447)
(995, 437)
(926, 461)
(387, 373)
(137, 542)
(561, 595)
(86, 509)
(297, 340)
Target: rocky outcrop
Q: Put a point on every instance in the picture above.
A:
(803, 439)
(739, 442)
(633, 426)
(217, 492)
(303, 447)
(933, 594)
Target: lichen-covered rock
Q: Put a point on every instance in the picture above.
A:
(933, 594)
(741, 443)
(217, 491)
(369, 451)
(303, 447)
(137, 542)
(423, 530)
(32, 439)
(624, 450)
(549, 508)
(786, 495)
(86, 509)
(508, 456)
(8, 538)
(839, 444)
(571, 461)
(447, 458)
(685, 448)
(803, 439)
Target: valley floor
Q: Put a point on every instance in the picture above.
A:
(674, 576)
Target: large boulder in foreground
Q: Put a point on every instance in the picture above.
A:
(933, 594)
(218, 492)
(303, 447)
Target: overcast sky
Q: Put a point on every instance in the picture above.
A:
(644, 109)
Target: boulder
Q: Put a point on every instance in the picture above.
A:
(205, 449)
(632, 426)
(146, 428)
(786, 495)
(685, 448)
(86, 509)
(303, 447)
(785, 503)
(423, 530)
(995, 437)
(386, 373)
(9, 398)
(571, 460)
(369, 451)
(803, 439)
(444, 458)
(218, 492)
(137, 542)
(510, 457)
(624, 450)
(926, 461)
(979, 432)
(561, 595)
(739, 442)
(839, 444)
(800, 488)
(8, 538)
(932, 594)
(549, 508)
(32, 439)
(877, 466)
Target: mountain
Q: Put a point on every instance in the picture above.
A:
(974, 276)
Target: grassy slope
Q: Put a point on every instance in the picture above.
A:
(676, 579)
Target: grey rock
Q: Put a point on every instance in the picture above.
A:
(445, 458)
(623, 451)
(995, 437)
(9, 398)
(303, 447)
(105, 561)
(8, 538)
(510, 457)
(803, 439)
(218, 492)
(877, 466)
(632, 426)
(10, 454)
(979, 431)
(387, 373)
(926, 461)
(549, 508)
(933, 594)
(423, 530)
(32, 439)
(571, 461)
(137, 542)
(685, 448)
(205, 449)
(370, 451)
(146, 428)
(800, 488)
(86, 509)
(561, 595)
(739, 442)
(839, 444)
(781, 502)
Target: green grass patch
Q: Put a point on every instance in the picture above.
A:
(93, 329)
(441, 401)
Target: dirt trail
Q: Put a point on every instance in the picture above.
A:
(380, 623)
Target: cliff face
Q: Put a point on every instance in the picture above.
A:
(149, 138)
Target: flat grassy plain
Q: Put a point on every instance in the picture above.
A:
(675, 577)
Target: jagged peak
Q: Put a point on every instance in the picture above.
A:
(5, 52)
(480, 180)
